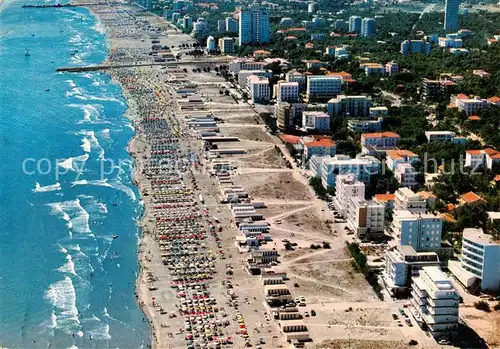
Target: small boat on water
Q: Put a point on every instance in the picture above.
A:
(115, 236)
(114, 256)
(27, 53)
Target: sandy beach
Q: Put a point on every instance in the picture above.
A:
(194, 286)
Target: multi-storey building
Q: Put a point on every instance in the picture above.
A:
(470, 105)
(409, 47)
(378, 142)
(245, 64)
(400, 156)
(187, 22)
(376, 112)
(391, 68)
(316, 120)
(435, 302)
(355, 24)
(221, 26)
(259, 88)
(373, 69)
(402, 263)
(365, 125)
(231, 25)
(422, 231)
(320, 147)
(211, 44)
(366, 217)
(484, 157)
(295, 76)
(349, 106)
(226, 45)
(347, 186)
(254, 25)
(450, 43)
(288, 114)
(481, 257)
(363, 167)
(368, 27)
(287, 91)
(406, 175)
(407, 200)
(323, 87)
(244, 74)
(451, 15)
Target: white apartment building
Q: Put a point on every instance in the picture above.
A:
(378, 112)
(259, 89)
(316, 120)
(364, 125)
(481, 257)
(373, 69)
(402, 263)
(435, 302)
(316, 163)
(439, 136)
(400, 156)
(287, 91)
(322, 87)
(365, 218)
(363, 167)
(422, 231)
(226, 45)
(407, 200)
(484, 157)
(245, 64)
(406, 175)
(347, 186)
(349, 106)
(471, 105)
(244, 74)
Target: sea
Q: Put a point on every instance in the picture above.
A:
(69, 232)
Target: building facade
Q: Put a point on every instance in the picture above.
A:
(254, 25)
(347, 186)
(259, 89)
(349, 106)
(355, 24)
(287, 91)
(435, 302)
(451, 15)
(368, 27)
(366, 217)
(481, 257)
(422, 231)
(323, 87)
(226, 45)
(315, 120)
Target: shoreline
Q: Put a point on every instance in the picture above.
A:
(132, 114)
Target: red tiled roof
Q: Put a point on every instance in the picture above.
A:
(473, 118)
(474, 152)
(470, 197)
(400, 153)
(494, 99)
(323, 142)
(385, 197)
(290, 139)
(462, 96)
(380, 135)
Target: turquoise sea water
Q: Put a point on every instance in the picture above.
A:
(65, 282)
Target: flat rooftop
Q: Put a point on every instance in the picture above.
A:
(477, 235)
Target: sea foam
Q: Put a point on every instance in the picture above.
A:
(73, 213)
(43, 189)
(62, 296)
